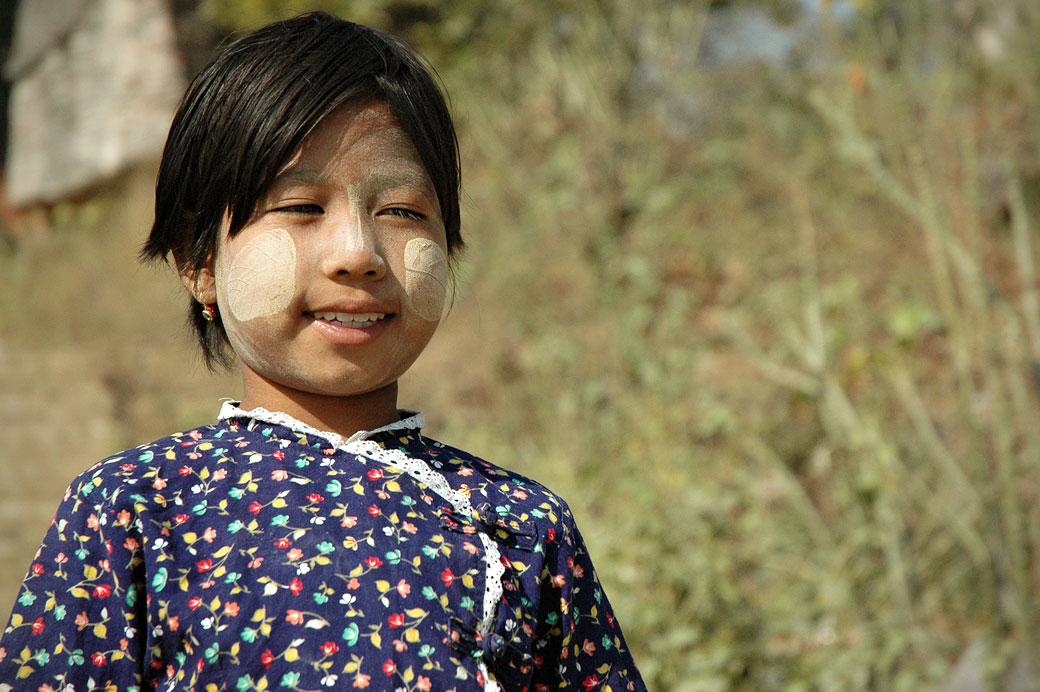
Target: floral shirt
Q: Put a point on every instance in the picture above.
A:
(260, 554)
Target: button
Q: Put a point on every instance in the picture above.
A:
(494, 645)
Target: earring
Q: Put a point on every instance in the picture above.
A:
(209, 311)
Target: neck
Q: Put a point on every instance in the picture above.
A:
(343, 415)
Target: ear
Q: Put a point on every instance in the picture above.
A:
(200, 283)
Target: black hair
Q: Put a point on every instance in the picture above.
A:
(248, 111)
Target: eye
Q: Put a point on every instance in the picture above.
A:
(301, 209)
(404, 213)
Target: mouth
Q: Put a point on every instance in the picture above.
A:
(353, 320)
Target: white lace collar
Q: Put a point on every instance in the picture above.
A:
(410, 420)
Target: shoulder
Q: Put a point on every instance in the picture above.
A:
(496, 489)
(134, 475)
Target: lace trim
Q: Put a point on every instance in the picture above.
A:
(360, 444)
(410, 420)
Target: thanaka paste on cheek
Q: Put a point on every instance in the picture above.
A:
(426, 276)
(261, 278)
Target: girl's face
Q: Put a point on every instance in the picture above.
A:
(338, 282)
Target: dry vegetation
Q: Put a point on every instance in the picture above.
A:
(774, 334)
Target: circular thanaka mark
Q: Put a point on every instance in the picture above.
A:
(261, 278)
(426, 277)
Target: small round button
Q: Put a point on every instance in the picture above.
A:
(494, 645)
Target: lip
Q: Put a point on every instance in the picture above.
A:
(343, 335)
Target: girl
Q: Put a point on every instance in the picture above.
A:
(312, 537)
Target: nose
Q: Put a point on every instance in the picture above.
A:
(353, 250)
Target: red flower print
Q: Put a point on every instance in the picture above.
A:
(588, 647)
(184, 470)
(231, 609)
(204, 565)
(559, 580)
(389, 667)
(373, 561)
(98, 658)
(279, 455)
(329, 648)
(314, 497)
(374, 475)
(294, 617)
(194, 602)
(590, 681)
(374, 511)
(37, 569)
(102, 591)
(396, 620)
(296, 586)
(128, 467)
(550, 535)
(180, 518)
(267, 658)
(282, 543)
(447, 577)
(37, 626)
(255, 507)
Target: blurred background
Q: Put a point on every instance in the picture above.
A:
(752, 285)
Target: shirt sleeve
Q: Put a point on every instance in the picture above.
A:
(79, 617)
(578, 644)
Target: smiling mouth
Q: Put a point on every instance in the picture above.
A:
(351, 319)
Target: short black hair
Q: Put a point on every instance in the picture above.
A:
(249, 110)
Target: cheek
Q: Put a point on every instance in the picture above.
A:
(260, 280)
(426, 278)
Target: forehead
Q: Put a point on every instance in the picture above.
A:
(358, 136)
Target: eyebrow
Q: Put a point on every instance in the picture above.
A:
(379, 177)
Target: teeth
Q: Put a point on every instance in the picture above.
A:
(351, 319)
